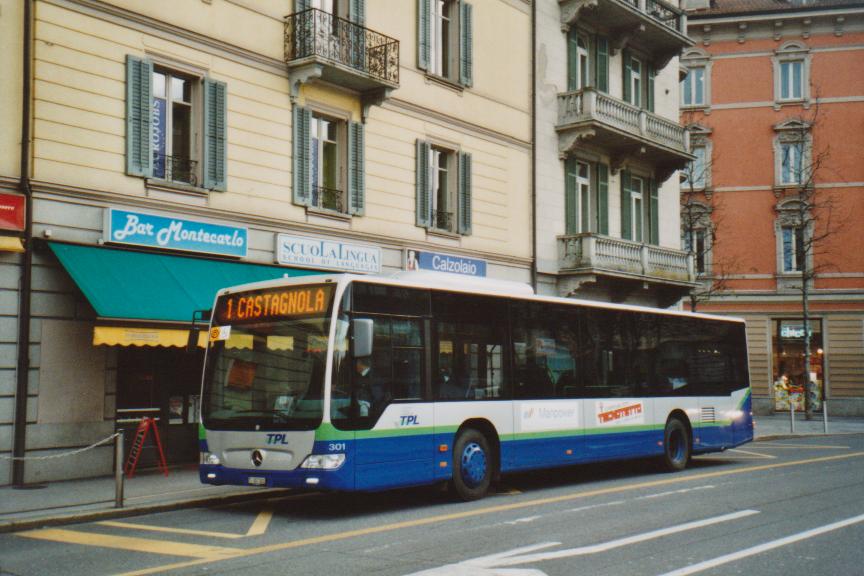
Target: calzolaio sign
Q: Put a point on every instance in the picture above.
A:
(157, 231)
(327, 254)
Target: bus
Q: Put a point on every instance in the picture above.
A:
(360, 383)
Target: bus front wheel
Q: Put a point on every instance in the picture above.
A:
(676, 445)
(472, 465)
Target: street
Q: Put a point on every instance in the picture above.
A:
(790, 507)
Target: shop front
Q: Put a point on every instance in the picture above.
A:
(790, 371)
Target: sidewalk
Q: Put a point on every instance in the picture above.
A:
(92, 499)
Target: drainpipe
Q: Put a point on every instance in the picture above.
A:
(24, 291)
(534, 146)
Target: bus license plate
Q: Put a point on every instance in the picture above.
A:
(257, 481)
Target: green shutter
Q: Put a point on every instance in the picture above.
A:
(215, 141)
(356, 169)
(139, 116)
(465, 193)
(571, 224)
(466, 45)
(627, 73)
(357, 11)
(626, 219)
(302, 181)
(301, 5)
(650, 98)
(603, 199)
(654, 214)
(572, 60)
(424, 33)
(424, 200)
(601, 45)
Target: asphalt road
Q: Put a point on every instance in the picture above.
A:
(785, 507)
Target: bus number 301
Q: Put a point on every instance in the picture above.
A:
(336, 447)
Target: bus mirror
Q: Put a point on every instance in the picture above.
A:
(363, 329)
(192, 342)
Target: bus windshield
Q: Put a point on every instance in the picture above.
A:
(265, 366)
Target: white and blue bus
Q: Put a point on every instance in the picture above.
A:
(345, 382)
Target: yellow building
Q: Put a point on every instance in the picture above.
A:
(175, 147)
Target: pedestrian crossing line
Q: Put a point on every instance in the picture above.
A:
(162, 547)
(259, 527)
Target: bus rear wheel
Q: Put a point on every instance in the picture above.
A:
(676, 445)
(472, 465)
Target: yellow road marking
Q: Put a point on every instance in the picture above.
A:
(261, 523)
(211, 553)
(259, 527)
(151, 528)
(677, 479)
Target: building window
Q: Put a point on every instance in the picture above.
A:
(639, 208)
(792, 154)
(577, 60)
(176, 125)
(697, 244)
(790, 163)
(443, 188)
(637, 186)
(697, 234)
(793, 229)
(638, 82)
(445, 39)
(792, 73)
(793, 249)
(586, 197)
(694, 174)
(788, 354)
(329, 162)
(693, 88)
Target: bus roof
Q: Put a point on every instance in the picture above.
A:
(467, 285)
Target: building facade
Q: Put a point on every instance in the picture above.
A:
(174, 148)
(775, 105)
(608, 149)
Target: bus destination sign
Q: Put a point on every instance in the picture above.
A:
(273, 304)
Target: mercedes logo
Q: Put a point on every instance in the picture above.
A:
(257, 458)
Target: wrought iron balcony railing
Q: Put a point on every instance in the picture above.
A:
(328, 199)
(442, 220)
(175, 169)
(602, 253)
(315, 33)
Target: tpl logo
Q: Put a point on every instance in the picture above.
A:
(276, 439)
(411, 420)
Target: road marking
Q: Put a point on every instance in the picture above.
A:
(753, 455)
(818, 446)
(719, 561)
(162, 547)
(337, 536)
(523, 520)
(259, 527)
(529, 555)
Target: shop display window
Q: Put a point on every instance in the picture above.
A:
(788, 345)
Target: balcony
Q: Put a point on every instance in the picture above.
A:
(621, 129)
(652, 26)
(319, 45)
(623, 266)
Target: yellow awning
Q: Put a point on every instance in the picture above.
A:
(11, 244)
(123, 336)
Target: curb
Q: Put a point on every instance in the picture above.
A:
(109, 514)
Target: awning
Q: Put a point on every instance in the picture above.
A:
(124, 336)
(128, 285)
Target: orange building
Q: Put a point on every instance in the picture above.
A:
(773, 94)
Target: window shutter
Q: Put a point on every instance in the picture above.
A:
(626, 232)
(601, 45)
(650, 98)
(602, 199)
(654, 214)
(357, 12)
(465, 193)
(215, 145)
(424, 33)
(466, 45)
(301, 5)
(572, 59)
(356, 169)
(423, 183)
(571, 224)
(627, 73)
(139, 116)
(302, 182)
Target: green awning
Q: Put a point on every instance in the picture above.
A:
(129, 285)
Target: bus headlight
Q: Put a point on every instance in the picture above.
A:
(324, 461)
(208, 458)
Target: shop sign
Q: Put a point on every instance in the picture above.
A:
(793, 331)
(12, 212)
(417, 260)
(327, 254)
(153, 231)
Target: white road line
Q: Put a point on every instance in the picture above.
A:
(708, 564)
(510, 559)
